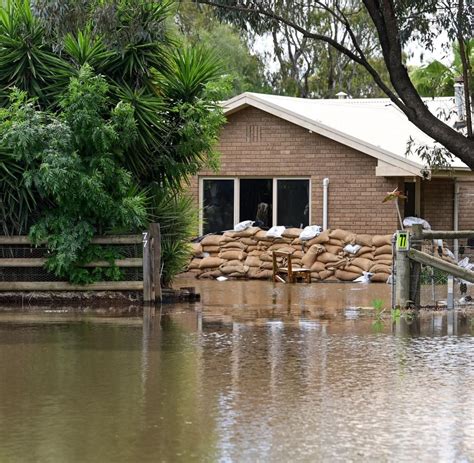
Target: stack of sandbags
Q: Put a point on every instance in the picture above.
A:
(334, 255)
(344, 256)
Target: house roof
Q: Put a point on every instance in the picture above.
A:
(373, 126)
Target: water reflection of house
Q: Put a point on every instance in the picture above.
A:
(277, 151)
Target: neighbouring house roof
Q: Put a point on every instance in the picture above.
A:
(373, 126)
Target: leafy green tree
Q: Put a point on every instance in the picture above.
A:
(170, 92)
(71, 160)
(436, 78)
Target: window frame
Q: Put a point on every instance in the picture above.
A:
(236, 180)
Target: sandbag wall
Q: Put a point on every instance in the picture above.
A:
(248, 254)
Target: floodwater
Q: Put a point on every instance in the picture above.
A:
(254, 372)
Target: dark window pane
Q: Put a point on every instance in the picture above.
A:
(256, 201)
(293, 203)
(218, 207)
(410, 201)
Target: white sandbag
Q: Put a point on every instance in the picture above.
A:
(365, 278)
(275, 232)
(410, 221)
(241, 226)
(352, 248)
(310, 232)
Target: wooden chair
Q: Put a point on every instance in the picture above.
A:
(285, 268)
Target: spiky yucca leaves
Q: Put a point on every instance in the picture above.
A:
(178, 219)
(26, 61)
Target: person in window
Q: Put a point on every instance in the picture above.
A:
(261, 219)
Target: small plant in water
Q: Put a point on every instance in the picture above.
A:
(378, 306)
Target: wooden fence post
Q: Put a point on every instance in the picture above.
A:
(155, 237)
(147, 275)
(415, 283)
(402, 277)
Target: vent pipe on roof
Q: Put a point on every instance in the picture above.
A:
(459, 98)
(342, 95)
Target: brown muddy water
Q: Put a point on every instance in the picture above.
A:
(254, 372)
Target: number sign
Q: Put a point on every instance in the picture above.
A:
(403, 243)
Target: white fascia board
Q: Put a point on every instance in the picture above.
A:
(244, 100)
(384, 169)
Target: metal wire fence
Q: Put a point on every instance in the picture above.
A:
(37, 274)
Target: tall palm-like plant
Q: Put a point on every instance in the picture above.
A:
(26, 61)
(437, 79)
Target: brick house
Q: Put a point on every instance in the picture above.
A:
(290, 161)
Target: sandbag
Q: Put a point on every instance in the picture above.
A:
(298, 254)
(322, 238)
(332, 248)
(381, 240)
(364, 250)
(252, 261)
(211, 249)
(248, 241)
(266, 257)
(367, 255)
(381, 268)
(383, 257)
(326, 274)
(386, 249)
(251, 231)
(210, 262)
(282, 247)
(327, 257)
(344, 275)
(266, 265)
(318, 267)
(379, 278)
(211, 240)
(350, 239)
(339, 234)
(256, 252)
(310, 257)
(384, 262)
(234, 245)
(252, 248)
(194, 264)
(259, 274)
(210, 274)
(230, 269)
(232, 255)
(363, 240)
(363, 264)
(196, 249)
(292, 233)
(315, 276)
(353, 269)
(335, 242)
(261, 235)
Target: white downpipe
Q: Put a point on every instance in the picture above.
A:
(456, 217)
(325, 203)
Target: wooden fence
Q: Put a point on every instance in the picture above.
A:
(150, 263)
(407, 281)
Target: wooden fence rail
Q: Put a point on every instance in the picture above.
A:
(151, 264)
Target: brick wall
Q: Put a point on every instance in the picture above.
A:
(437, 203)
(254, 143)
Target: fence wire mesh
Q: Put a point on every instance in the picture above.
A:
(41, 274)
(434, 282)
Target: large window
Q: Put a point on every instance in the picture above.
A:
(293, 203)
(256, 200)
(267, 201)
(218, 205)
